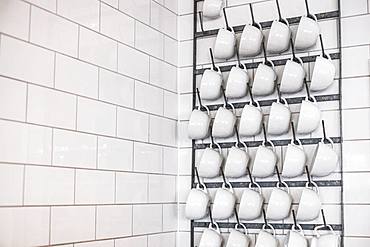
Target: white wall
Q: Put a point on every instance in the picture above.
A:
(88, 113)
(356, 104)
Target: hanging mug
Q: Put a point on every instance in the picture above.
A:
(307, 33)
(294, 161)
(211, 236)
(267, 239)
(309, 116)
(323, 73)
(238, 238)
(251, 203)
(224, 47)
(265, 161)
(309, 204)
(325, 159)
(280, 202)
(198, 127)
(236, 86)
(279, 37)
(325, 240)
(295, 238)
(197, 203)
(237, 161)
(251, 40)
(264, 79)
(210, 162)
(250, 123)
(279, 118)
(293, 76)
(223, 125)
(224, 202)
(210, 84)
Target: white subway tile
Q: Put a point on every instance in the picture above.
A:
(50, 107)
(185, 80)
(133, 63)
(355, 61)
(348, 9)
(147, 219)
(356, 156)
(171, 53)
(94, 187)
(12, 99)
(355, 217)
(148, 40)
(98, 49)
(170, 160)
(355, 241)
(162, 189)
(186, 106)
(27, 226)
(103, 243)
(140, 9)
(11, 178)
(163, 74)
(117, 25)
(185, 53)
(148, 158)
(74, 149)
(14, 18)
(113, 3)
(115, 154)
(356, 186)
(24, 143)
(359, 87)
(184, 161)
(163, 20)
(26, 62)
(53, 32)
(125, 184)
(116, 88)
(96, 117)
(185, 23)
(113, 221)
(163, 240)
(85, 12)
(76, 77)
(183, 238)
(172, 5)
(140, 241)
(148, 98)
(72, 223)
(326, 6)
(356, 124)
(170, 217)
(185, 7)
(162, 131)
(48, 186)
(170, 105)
(132, 124)
(46, 4)
(353, 30)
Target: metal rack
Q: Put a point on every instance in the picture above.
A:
(292, 100)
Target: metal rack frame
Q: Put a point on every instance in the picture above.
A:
(292, 100)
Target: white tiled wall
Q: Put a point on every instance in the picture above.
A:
(356, 102)
(88, 115)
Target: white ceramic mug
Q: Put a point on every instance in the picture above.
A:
(325, 159)
(197, 203)
(295, 238)
(323, 73)
(250, 123)
(280, 202)
(210, 162)
(212, 8)
(264, 79)
(267, 239)
(309, 204)
(279, 37)
(198, 127)
(293, 76)
(307, 33)
(236, 86)
(224, 202)
(264, 161)
(294, 160)
(223, 125)
(224, 47)
(325, 240)
(210, 84)
(309, 116)
(237, 161)
(211, 236)
(279, 118)
(251, 40)
(238, 238)
(251, 203)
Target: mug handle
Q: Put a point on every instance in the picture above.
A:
(327, 56)
(229, 187)
(257, 103)
(299, 143)
(257, 185)
(214, 226)
(258, 25)
(285, 21)
(243, 226)
(203, 188)
(311, 99)
(232, 107)
(218, 70)
(271, 64)
(271, 228)
(285, 185)
(269, 142)
(330, 140)
(299, 230)
(318, 228)
(315, 187)
(284, 101)
(217, 145)
(245, 146)
(312, 16)
(207, 109)
(299, 61)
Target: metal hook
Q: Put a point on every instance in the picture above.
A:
(199, 99)
(212, 59)
(252, 15)
(308, 175)
(201, 21)
(278, 8)
(323, 130)
(197, 175)
(278, 174)
(250, 175)
(264, 132)
(307, 8)
(226, 21)
(294, 219)
(293, 50)
(323, 217)
(238, 58)
(264, 216)
(250, 92)
(237, 135)
(224, 178)
(293, 131)
(264, 51)
(307, 88)
(237, 216)
(322, 45)
(210, 216)
(279, 93)
(224, 95)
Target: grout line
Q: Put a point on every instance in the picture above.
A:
(74, 186)
(97, 153)
(78, 41)
(29, 24)
(96, 219)
(50, 225)
(55, 70)
(24, 184)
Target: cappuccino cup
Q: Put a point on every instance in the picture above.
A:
(251, 40)
(236, 86)
(211, 236)
(251, 203)
(309, 204)
(224, 47)
(210, 84)
(265, 161)
(279, 37)
(325, 159)
(210, 162)
(309, 116)
(278, 207)
(323, 73)
(267, 238)
(295, 238)
(212, 8)
(293, 76)
(294, 160)
(223, 125)
(197, 203)
(238, 238)
(325, 240)
(307, 33)
(198, 127)
(264, 79)
(250, 123)
(237, 161)
(224, 202)
(279, 118)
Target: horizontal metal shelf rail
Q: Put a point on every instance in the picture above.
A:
(271, 184)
